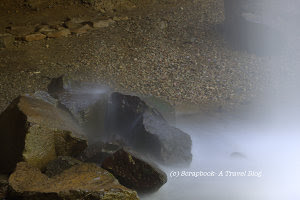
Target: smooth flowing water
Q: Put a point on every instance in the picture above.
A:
(249, 156)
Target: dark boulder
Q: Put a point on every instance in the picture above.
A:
(134, 172)
(146, 131)
(36, 131)
(82, 181)
(86, 101)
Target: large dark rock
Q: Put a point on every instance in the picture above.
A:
(37, 131)
(83, 181)
(87, 102)
(134, 172)
(98, 151)
(144, 129)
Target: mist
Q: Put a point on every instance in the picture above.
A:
(263, 139)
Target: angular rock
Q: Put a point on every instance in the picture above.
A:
(34, 37)
(83, 181)
(82, 29)
(98, 152)
(145, 130)
(102, 23)
(59, 33)
(134, 172)
(87, 102)
(6, 40)
(60, 164)
(3, 186)
(37, 132)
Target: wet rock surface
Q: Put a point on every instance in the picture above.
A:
(60, 164)
(98, 152)
(37, 132)
(134, 172)
(78, 182)
(145, 130)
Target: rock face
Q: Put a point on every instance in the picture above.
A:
(133, 172)
(84, 181)
(36, 131)
(60, 164)
(87, 102)
(146, 131)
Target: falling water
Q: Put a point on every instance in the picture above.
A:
(262, 145)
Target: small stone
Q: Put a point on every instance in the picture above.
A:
(163, 25)
(34, 37)
(102, 23)
(83, 29)
(238, 155)
(59, 33)
(44, 29)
